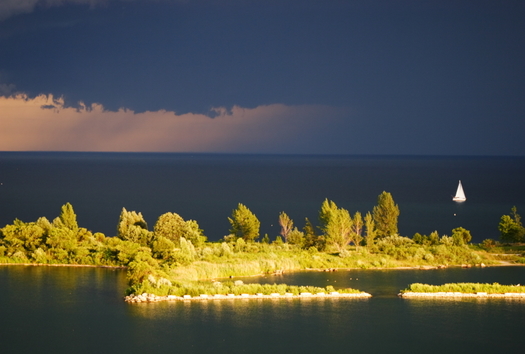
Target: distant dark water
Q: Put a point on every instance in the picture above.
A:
(80, 310)
(208, 187)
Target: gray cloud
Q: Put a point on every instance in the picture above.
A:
(7, 89)
(9, 8)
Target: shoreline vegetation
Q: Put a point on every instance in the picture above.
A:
(175, 259)
(495, 290)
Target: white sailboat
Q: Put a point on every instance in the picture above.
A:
(460, 195)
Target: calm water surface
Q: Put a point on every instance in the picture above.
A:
(76, 310)
(207, 188)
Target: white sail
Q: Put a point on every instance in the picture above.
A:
(460, 195)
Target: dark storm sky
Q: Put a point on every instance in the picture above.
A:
(343, 77)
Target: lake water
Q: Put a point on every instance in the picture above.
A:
(81, 310)
(207, 188)
(77, 310)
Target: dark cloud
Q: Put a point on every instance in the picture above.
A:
(10, 8)
(427, 72)
(6, 89)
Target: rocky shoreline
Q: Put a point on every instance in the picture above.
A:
(145, 297)
(63, 265)
(458, 294)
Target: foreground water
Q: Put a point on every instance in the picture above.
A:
(77, 310)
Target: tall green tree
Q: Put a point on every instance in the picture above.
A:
(357, 229)
(311, 239)
(133, 227)
(286, 225)
(328, 209)
(244, 224)
(296, 237)
(510, 227)
(193, 233)
(67, 218)
(170, 226)
(338, 231)
(460, 236)
(370, 230)
(336, 224)
(385, 215)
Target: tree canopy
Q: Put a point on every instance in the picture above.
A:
(133, 227)
(510, 227)
(385, 215)
(460, 236)
(286, 225)
(244, 224)
(336, 224)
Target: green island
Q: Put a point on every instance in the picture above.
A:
(176, 260)
(463, 289)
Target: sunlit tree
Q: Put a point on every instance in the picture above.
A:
(67, 218)
(460, 236)
(511, 228)
(385, 214)
(170, 226)
(133, 227)
(244, 224)
(370, 230)
(357, 229)
(286, 225)
(336, 224)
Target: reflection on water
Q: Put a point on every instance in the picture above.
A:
(245, 309)
(80, 310)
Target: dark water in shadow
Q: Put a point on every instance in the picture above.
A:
(76, 310)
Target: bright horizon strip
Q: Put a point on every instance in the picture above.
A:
(43, 123)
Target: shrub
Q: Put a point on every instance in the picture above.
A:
(470, 288)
